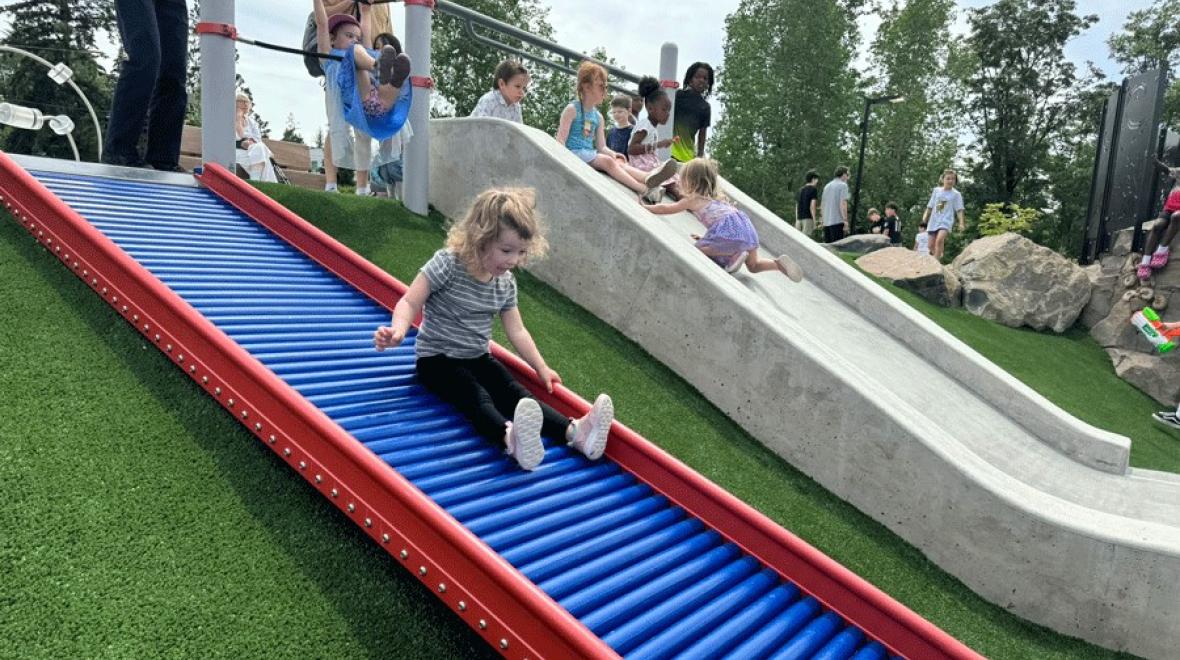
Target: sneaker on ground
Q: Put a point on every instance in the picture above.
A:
(661, 174)
(736, 262)
(593, 429)
(524, 437)
(789, 268)
(1166, 419)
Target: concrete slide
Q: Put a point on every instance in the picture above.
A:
(1030, 507)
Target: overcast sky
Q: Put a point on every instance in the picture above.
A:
(631, 32)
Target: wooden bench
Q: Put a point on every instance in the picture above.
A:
(293, 157)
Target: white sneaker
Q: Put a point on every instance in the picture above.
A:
(592, 430)
(738, 260)
(789, 268)
(654, 195)
(524, 436)
(1167, 420)
(665, 171)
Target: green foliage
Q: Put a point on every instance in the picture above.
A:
(1020, 90)
(910, 143)
(291, 131)
(998, 218)
(790, 95)
(59, 32)
(1150, 39)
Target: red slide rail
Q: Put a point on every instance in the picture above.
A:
(507, 610)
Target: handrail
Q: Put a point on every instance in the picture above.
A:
(471, 18)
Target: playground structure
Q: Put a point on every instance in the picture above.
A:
(1019, 500)
(1028, 506)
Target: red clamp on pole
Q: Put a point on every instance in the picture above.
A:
(429, 4)
(422, 81)
(669, 84)
(223, 29)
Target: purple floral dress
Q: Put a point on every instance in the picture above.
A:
(728, 229)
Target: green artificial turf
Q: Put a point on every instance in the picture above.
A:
(1069, 369)
(141, 520)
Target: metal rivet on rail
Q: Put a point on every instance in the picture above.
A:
(146, 327)
(483, 625)
(40, 233)
(231, 403)
(104, 291)
(180, 358)
(85, 272)
(302, 465)
(403, 554)
(319, 478)
(385, 538)
(271, 439)
(245, 414)
(192, 368)
(442, 588)
(204, 379)
(75, 265)
(335, 493)
(124, 309)
(216, 390)
(134, 317)
(462, 606)
(168, 348)
(156, 336)
(503, 643)
(257, 426)
(114, 299)
(57, 249)
(421, 570)
(94, 281)
(287, 451)
(351, 507)
(368, 522)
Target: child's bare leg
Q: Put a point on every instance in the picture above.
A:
(1153, 238)
(756, 264)
(364, 66)
(939, 244)
(613, 167)
(1171, 231)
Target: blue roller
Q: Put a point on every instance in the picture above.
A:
(647, 577)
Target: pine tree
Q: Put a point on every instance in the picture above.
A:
(291, 130)
(59, 31)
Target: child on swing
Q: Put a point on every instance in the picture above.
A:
(367, 102)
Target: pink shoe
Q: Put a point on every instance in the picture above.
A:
(593, 429)
(1159, 259)
(1144, 272)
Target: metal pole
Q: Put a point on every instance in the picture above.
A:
(860, 164)
(217, 86)
(416, 186)
(668, 54)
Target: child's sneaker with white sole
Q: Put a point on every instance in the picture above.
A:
(524, 436)
(591, 430)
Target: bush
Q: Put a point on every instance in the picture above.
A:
(1000, 218)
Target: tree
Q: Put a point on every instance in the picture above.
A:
(291, 130)
(790, 96)
(1019, 93)
(59, 31)
(192, 82)
(1150, 39)
(910, 143)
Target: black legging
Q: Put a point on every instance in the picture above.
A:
(483, 390)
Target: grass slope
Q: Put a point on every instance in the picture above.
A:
(141, 520)
(1069, 369)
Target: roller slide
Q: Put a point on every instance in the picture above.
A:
(634, 555)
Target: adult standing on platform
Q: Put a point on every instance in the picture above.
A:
(151, 84)
(693, 115)
(834, 206)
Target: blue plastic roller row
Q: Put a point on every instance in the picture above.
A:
(649, 579)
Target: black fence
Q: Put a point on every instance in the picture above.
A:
(1126, 185)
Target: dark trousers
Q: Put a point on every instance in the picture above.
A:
(151, 83)
(483, 390)
(833, 233)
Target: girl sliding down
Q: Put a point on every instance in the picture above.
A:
(459, 291)
(580, 130)
(372, 103)
(730, 239)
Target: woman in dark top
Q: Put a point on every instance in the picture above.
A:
(693, 114)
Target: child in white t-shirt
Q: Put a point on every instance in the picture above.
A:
(945, 204)
(922, 240)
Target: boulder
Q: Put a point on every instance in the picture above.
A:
(1158, 376)
(1014, 281)
(922, 274)
(859, 243)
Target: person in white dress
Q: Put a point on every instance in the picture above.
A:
(252, 154)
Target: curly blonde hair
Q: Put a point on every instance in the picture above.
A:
(699, 177)
(590, 73)
(493, 210)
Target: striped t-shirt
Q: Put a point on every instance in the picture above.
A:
(457, 321)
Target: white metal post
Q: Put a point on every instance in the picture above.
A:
(668, 54)
(217, 86)
(416, 184)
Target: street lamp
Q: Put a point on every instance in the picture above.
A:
(860, 163)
